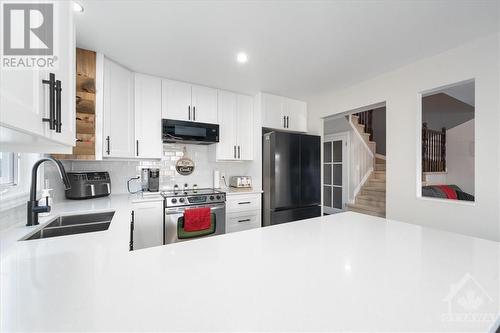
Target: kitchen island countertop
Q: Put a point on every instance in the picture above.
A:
(340, 272)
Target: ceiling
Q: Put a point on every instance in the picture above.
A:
(463, 92)
(295, 48)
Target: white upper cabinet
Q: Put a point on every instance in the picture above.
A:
(147, 101)
(272, 111)
(226, 148)
(118, 127)
(235, 113)
(187, 102)
(25, 97)
(176, 100)
(245, 127)
(296, 115)
(204, 104)
(283, 113)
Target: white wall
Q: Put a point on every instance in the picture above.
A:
(460, 156)
(400, 89)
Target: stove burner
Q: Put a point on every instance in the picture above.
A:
(193, 197)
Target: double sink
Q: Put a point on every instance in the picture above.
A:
(73, 224)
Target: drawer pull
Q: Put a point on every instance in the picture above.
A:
(245, 220)
(244, 203)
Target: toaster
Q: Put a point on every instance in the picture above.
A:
(241, 181)
(88, 184)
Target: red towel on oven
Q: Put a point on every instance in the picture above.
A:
(196, 219)
(450, 193)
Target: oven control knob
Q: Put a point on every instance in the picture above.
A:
(218, 197)
(174, 200)
(211, 197)
(181, 200)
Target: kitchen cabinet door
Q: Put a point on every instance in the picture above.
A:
(176, 100)
(148, 224)
(204, 104)
(24, 98)
(296, 113)
(65, 72)
(245, 127)
(147, 111)
(272, 111)
(118, 127)
(227, 115)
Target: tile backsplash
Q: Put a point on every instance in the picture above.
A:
(203, 157)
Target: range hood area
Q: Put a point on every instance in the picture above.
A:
(177, 131)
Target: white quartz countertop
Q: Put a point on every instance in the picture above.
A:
(340, 272)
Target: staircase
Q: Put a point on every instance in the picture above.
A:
(371, 197)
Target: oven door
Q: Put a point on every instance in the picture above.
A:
(189, 132)
(174, 219)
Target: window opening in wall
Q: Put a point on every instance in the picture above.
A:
(8, 169)
(447, 142)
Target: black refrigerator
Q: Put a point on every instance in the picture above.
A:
(291, 168)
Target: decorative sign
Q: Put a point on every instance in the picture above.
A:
(184, 166)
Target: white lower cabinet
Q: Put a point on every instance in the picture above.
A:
(243, 212)
(148, 224)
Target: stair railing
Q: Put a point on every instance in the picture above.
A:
(433, 149)
(366, 118)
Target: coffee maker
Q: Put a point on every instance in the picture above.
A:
(150, 179)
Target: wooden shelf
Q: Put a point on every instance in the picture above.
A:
(85, 107)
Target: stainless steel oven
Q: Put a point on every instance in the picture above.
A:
(176, 204)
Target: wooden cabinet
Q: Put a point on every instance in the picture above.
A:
(147, 111)
(283, 113)
(118, 113)
(243, 211)
(148, 224)
(235, 114)
(24, 98)
(188, 102)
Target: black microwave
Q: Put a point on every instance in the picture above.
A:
(174, 131)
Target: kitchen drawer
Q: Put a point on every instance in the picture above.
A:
(239, 222)
(242, 203)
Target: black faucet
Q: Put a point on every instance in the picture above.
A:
(33, 208)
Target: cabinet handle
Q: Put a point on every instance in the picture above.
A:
(244, 203)
(287, 122)
(238, 152)
(245, 220)
(194, 112)
(58, 106)
(131, 244)
(284, 121)
(189, 112)
(137, 147)
(234, 151)
(107, 141)
(52, 91)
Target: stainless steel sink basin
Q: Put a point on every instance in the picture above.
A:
(74, 224)
(80, 219)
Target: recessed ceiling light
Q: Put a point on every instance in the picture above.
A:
(77, 7)
(242, 57)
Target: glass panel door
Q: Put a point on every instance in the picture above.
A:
(332, 175)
